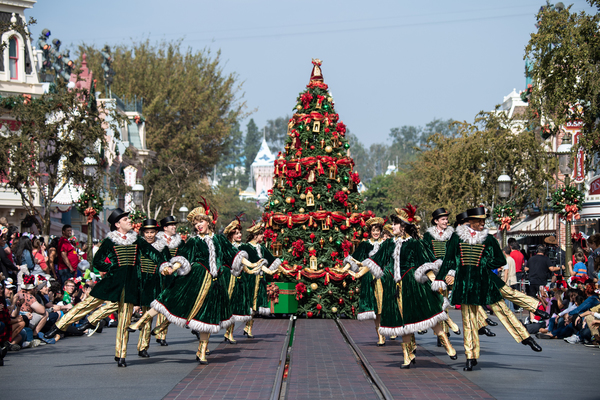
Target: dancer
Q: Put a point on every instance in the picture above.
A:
(258, 284)
(412, 308)
(197, 297)
(471, 255)
(173, 241)
(435, 239)
(371, 290)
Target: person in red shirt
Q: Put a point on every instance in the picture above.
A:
(67, 255)
(519, 259)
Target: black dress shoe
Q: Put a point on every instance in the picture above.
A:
(116, 359)
(201, 362)
(86, 326)
(454, 357)
(439, 342)
(471, 362)
(485, 331)
(422, 332)
(144, 353)
(52, 332)
(457, 332)
(162, 342)
(490, 322)
(121, 363)
(532, 343)
(405, 366)
(542, 314)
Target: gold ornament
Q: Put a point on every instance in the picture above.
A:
(276, 201)
(339, 180)
(311, 176)
(302, 196)
(344, 284)
(313, 266)
(356, 206)
(282, 230)
(357, 290)
(344, 189)
(288, 200)
(314, 286)
(336, 229)
(298, 107)
(330, 239)
(319, 196)
(334, 310)
(304, 227)
(316, 126)
(339, 154)
(301, 210)
(310, 199)
(329, 99)
(328, 149)
(277, 249)
(298, 187)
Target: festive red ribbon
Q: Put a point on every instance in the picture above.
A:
(572, 211)
(505, 223)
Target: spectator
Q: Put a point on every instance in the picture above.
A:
(591, 301)
(7, 267)
(53, 256)
(39, 254)
(18, 335)
(592, 264)
(556, 254)
(509, 274)
(69, 292)
(539, 268)
(592, 321)
(67, 255)
(579, 269)
(519, 259)
(23, 258)
(34, 311)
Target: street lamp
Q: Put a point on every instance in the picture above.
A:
(504, 186)
(90, 166)
(138, 194)
(183, 212)
(566, 168)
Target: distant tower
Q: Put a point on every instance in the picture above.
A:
(262, 171)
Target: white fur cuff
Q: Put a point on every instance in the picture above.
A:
(164, 266)
(437, 285)
(446, 304)
(364, 316)
(264, 311)
(421, 272)
(374, 268)
(185, 268)
(275, 264)
(237, 266)
(451, 273)
(352, 262)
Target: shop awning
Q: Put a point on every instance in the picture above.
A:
(541, 225)
(590, 211)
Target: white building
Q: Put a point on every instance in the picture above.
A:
(261, 175)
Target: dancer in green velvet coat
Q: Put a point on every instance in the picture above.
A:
(259, 300)
(408, 306)
(371, 290)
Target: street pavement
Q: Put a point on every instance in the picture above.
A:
(84, 367)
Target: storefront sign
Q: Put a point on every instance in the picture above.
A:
(594, 187)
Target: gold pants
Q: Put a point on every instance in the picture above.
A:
(470, 322)
(103, 312)
(78, 312)
(520, 299)
(481, 317)
(125, 311)
(510, 321)
(162, 327)
(145, 330)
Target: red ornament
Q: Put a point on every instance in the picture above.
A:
(312, 237)
(312, 147)
(319, 307)
(309, 314)
(341, 301)
(365, 235)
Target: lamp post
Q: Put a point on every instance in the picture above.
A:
(90, 168)
(183, 212)
(504, 186)
(138, 194)
(565, 168)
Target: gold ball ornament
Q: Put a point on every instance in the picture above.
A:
(298, 107)
(344, 284)
(314, 286)
(336, 229)
(339, 154)
(344, 189)
(330, 239)
(318, 196)
(334, 310)
(288, 200)
(328, 149)
(283, 231)
(329, 99)
(357, 290)
(338, 180)
(302, 196)
(301, 210)
(304, 227)
(276, 201)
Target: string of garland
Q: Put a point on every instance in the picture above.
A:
(90, 205)
(504, 215)
(567, 202)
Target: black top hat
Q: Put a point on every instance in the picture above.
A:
(149, 224)
(115, 217)
(477, 213)
(440, 212)
(460, 218)
(170, 220)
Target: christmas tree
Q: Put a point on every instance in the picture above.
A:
(315, 216)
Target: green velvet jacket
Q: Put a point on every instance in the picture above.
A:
(257, 284)
(367, 301)
(120, 257)
(436, 243)
(199, 298)
(471, 259)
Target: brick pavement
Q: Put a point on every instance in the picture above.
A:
(245, 370)
(429, 378)
(323, 366)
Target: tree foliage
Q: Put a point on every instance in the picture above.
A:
(564, 56)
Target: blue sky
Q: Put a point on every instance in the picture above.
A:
(387, 63)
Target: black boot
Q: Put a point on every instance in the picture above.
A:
(439, 342)
(121, 363)
(162, 342)
(485, 331)
(542, 314)
(144, 353)
(471, 362)
(532, 343)
(490, 322)
(52, 332)
(86, 326)
(422, 332)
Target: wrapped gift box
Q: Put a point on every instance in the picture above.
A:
(287, 299)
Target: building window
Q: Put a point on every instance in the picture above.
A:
(13, 56)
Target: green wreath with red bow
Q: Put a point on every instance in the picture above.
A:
(90, 205)
(504, 215)
(567, 202)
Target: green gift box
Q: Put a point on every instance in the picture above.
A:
(287, 299)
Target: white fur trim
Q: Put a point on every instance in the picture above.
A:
(275, 264)
(182, 322)
(451, 273)
(164, 266)
(241, 318)
(437, 285)
(446, 304)
(433, 231)
(212, 257)
(257, 248)
(261, 263)
(367, 315)
(175, 239)
(353, 265)
(423, 325)
(391, 331)
(397, 249)
(227, 323)
(185, 265)
(158, 244)
(373, 267)
(421, 272)
(130, 238)
(464, 233)
(375, 248)
(264, 311)
(237, 266)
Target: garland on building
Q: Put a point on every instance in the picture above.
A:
(90, 205)
(137, 217)
(567, 202)
(504, 215)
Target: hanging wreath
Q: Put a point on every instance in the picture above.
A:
(504, 215)
(137, 217)
(567, 201)
(90, 205)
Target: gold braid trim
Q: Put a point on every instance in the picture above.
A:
(206, 284)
